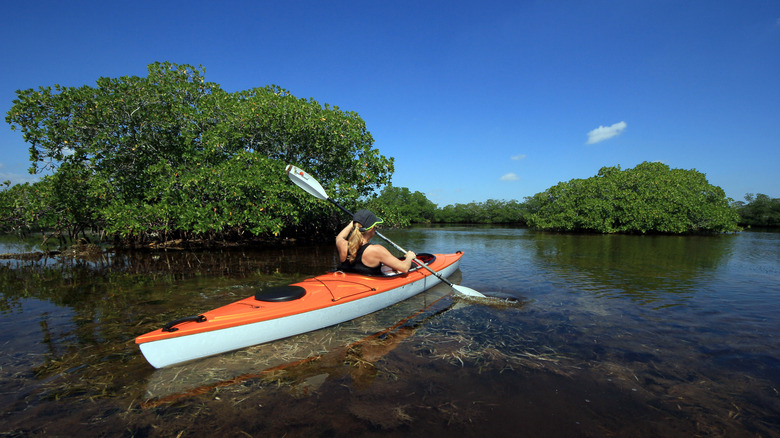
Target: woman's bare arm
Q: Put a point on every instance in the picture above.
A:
(341, 241)
(375, 254)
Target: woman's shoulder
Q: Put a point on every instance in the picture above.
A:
(375, 248)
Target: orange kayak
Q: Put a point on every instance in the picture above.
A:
(284, 311)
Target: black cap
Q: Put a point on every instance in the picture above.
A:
(366, 218)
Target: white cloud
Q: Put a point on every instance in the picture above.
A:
(16, 178)
(518, 157)
(605, 132)
(510, 177)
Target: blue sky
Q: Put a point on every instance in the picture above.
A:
(474, 100)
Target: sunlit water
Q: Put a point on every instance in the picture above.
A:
(612, 336)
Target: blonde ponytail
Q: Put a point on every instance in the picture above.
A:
(355, 240)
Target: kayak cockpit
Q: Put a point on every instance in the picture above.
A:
(426, 258)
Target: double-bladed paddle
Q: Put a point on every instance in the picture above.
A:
(314, 188)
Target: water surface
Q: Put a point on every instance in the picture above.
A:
(613, 336)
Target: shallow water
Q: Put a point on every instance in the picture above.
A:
(612, 336)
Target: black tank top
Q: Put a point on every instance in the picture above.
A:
(358, 265)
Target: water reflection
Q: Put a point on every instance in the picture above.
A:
(657, 270)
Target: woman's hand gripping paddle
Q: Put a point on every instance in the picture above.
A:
(314, 188)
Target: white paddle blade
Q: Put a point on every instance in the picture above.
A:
(314, 188)
(467, 292)
(306, 182)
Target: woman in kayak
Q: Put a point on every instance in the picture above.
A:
(358, 255)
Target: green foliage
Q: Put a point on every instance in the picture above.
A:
(16, 206)
(398, 206)
(47, 205)
(650, 198)
(171, 154)
(488, 212)
(760, 211)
